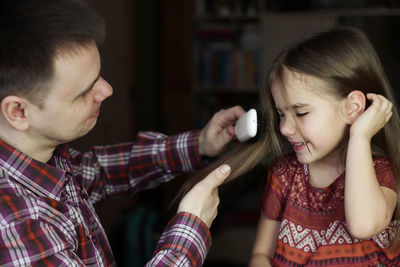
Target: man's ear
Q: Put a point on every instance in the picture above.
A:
(354, 106)
(13, 108)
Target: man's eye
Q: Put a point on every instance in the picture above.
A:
(84, 94)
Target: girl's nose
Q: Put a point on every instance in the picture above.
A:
(288, 126)
(103, 90)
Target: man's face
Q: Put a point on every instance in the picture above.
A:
(73, 103)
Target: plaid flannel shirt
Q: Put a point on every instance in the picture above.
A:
(47, 216)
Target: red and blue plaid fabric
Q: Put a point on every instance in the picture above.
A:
(47, 215)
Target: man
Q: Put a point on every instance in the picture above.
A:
(51, 92)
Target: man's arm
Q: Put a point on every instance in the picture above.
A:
(152, 159)
(128, 168)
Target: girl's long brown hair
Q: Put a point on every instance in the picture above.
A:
(346, 60)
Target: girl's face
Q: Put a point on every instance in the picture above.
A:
(310, 119)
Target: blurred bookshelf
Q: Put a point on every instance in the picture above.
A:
(226, 55)
(235, 42)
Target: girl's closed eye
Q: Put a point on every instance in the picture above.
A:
(301, 114)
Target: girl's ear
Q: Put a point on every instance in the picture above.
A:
(354, 106)
(13, 109)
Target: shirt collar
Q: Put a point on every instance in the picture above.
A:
(44, 179)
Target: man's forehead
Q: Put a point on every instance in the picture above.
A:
(77, 68)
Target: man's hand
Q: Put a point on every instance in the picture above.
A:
(202, 200)
(219, 131)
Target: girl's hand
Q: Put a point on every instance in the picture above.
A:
(373, 118)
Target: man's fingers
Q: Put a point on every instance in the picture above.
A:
(238, 111)
(226, 135)
(202, 200)
(232, 114)
(216, 177)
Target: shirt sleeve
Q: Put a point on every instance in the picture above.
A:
(132, 167)
(272, 200)
(184, 242)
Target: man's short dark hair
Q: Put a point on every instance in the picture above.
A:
(33, 33)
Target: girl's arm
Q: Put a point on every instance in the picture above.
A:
(265, 243)
(369, 207)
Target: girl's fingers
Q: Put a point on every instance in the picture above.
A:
(390, 107)
(380, 100)
(382, 105)
(371, 96)
(388, 116)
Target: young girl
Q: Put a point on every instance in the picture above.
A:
(331, 201)
(332, 122)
